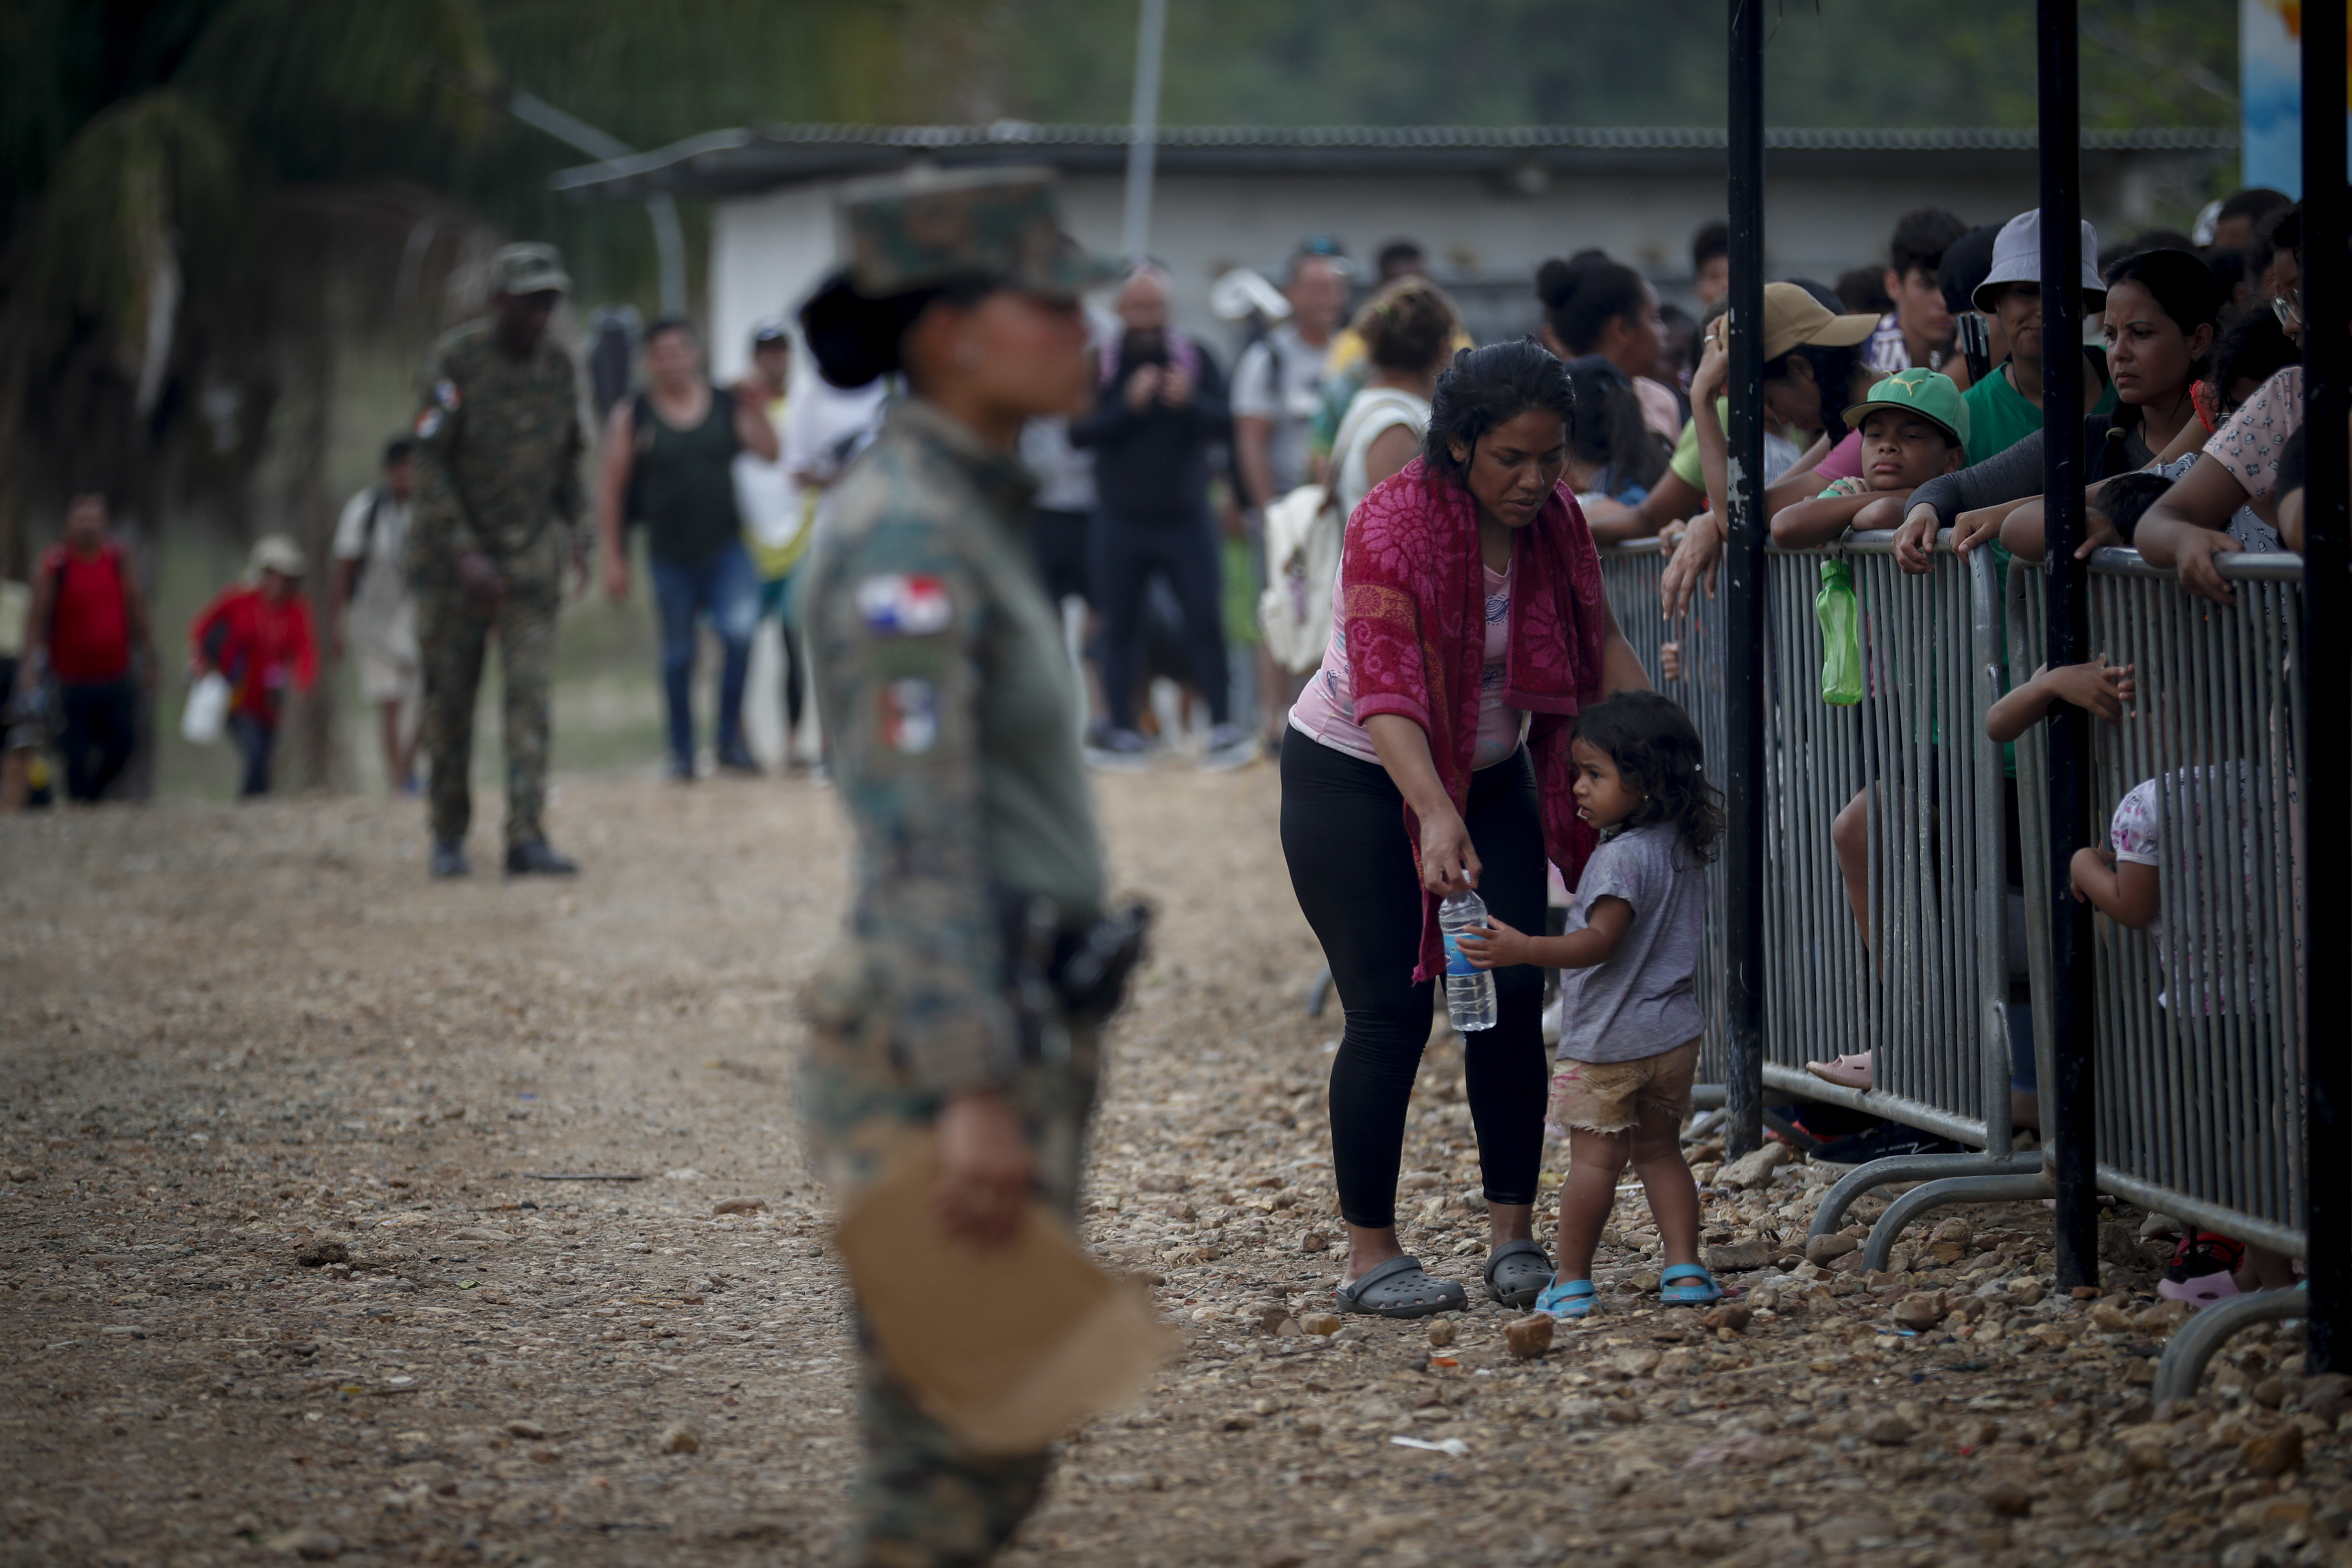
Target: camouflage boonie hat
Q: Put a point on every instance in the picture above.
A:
(529, 268)
(923, 229)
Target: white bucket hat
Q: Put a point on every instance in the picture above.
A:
(2017, 258)
(277, 552)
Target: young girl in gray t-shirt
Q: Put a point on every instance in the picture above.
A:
(1636, 931)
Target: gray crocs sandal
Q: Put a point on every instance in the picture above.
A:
(1517, 1273)
(1401, 1287)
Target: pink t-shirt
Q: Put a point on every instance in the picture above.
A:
(1326, 713)
(1844, 461)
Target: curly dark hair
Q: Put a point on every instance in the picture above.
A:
(1657, 751)
(1490, 386)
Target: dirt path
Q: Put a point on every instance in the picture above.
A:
(233, 1035)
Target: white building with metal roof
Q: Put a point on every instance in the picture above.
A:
(1487, 204)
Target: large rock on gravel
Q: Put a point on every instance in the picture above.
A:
(1734, 1257)
(680, 1437)
(317, 1254)
(481, 1233)
(1820, 1250)
(1919, 1310)
(1755, 1168)
(1528, 1337)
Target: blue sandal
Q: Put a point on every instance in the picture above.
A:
(1567, 1299)
(1697, 1288)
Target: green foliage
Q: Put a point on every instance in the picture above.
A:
(1599, 62)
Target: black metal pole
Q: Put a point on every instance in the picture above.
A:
(2326, 691)
(1744, 534)
(2067, 1109)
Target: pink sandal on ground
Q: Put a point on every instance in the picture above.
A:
(1849, 1071)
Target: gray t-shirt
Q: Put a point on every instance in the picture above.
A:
(1640, 1003)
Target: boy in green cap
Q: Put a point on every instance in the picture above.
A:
(1915, 426)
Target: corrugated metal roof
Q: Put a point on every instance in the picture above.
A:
(757, 157)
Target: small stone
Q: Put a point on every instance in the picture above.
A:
(1678, 1362)
(1755, 1168)
(1163, 1181)
(306, 1541)
(2025, 1289)
(1955, 1229)
(1638, 1363)
(1643, 1283)
(2157, 1225)
(478, 1232)
(1888, 1431)
(739, 1205)
(23, 1174)
(2140, 1371)
(1734, 1257)
(2270, 1392)
(1320, 1322)
(1528, 1337)
(1270, 1319)
(2008, 1497)
(2110, 1319)
(1823, 1250)
(317, 1254)
(1281, 1557)
(525, 1429)
(2119, 1244)
(1239, 1421)
(1733, 1315)
(1314, 1240)
(2273, 1453)
(2328, 1396)
(680, 1437)
(2113, 1498)
(1441, 1333)
(1918, 1311)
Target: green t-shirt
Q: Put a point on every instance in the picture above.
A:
(2000, 416)
(1684, 464)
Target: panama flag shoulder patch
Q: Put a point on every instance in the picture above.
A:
(905, 605)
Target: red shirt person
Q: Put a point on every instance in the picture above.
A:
(87, 621)
(258, 635)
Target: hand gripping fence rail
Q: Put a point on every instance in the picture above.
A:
(2200, 1051)
(1927, 991)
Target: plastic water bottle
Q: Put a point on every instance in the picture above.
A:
(1469, 993)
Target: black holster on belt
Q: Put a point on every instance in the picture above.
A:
(1078, 972)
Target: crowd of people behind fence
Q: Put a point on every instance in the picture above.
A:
(1191, 528)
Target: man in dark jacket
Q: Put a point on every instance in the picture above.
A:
(1163, 408)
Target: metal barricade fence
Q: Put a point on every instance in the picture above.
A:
(2197, 1040)
(1932, 1007)
(1630, 575)
(1926, 993)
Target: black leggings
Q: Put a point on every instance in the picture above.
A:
(1351, 865)
(1127, 552)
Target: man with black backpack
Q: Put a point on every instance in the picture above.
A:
(668, 463)
(375, 612)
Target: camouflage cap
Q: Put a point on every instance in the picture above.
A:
(924, 228)
(529, 268)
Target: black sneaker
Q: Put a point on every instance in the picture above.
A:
(536, 859)
(1885, 1141)
(449, 859)
(741, 762)
(2203, 1269)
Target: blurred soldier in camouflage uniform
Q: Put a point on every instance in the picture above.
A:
(952, 708)
(497, 507)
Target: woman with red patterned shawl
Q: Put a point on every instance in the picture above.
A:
(1429, 755)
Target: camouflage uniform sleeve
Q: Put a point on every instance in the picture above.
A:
(898, 618)
(441, 514)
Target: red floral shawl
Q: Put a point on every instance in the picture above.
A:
(1413, 602)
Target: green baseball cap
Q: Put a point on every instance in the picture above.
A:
(529, 268)
(924, 227)
(1929, 393)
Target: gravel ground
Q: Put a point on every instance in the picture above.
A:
(239, 1039)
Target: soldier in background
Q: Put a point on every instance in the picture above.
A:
(497, 508)
(944, 684)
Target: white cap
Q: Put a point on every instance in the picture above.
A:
(277, 552)
(2017, 258)
(1242, 293)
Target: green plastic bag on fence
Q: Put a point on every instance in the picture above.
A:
(1841, 621)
